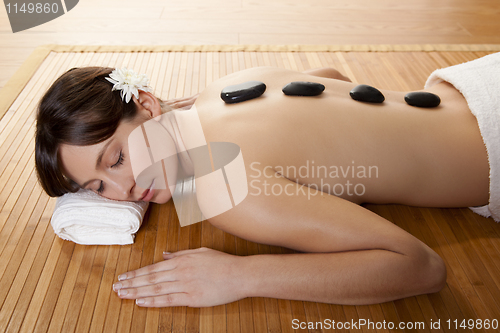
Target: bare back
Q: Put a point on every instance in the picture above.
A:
(399, 153)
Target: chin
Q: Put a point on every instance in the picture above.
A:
(162, 197)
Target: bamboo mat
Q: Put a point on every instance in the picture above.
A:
(50, 285)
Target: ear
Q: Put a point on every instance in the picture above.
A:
(148, 104)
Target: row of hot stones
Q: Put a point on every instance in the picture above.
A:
(362, 93)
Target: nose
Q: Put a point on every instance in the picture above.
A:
(121, 187)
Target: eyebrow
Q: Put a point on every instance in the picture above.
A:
(99, 160)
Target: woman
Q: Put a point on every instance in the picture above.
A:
(422, 157)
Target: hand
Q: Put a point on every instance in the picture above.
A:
(182, 103)
(196, 278)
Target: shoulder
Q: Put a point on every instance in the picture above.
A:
(255, 72)
(263, 73)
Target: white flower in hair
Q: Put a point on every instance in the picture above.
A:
(129, 82)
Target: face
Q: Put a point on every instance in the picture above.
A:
(105, 168)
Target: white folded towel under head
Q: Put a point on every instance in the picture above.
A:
(87, 218)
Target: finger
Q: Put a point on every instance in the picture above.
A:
(168, 255)
(144, 280)
(183, 103)
(177, 299)
(157, 289)
(158, 267)
(173, 100)
(180, 100)
(177, 106)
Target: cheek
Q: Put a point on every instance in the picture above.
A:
(76, 164)
(162, 197)
(148, 144)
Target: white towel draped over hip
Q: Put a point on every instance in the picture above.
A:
(86, 218)
(479, 83)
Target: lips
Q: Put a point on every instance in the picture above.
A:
(143, 195)
(148, 193)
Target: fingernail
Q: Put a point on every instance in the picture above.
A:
(122, 292)
(166, 252)
(140, 301)
(117, 286)
(122, 277)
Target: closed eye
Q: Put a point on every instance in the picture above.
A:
(101, 188)
(120, 160)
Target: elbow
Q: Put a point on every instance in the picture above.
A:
(431, 272)
(437, 276)
(335, 74)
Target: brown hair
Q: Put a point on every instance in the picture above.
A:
(78, 109)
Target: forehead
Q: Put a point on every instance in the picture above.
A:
(79, 161)
(79, 152)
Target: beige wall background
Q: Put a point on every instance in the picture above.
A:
(166, 22)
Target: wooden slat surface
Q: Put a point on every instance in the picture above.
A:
(194, 22)
(50, 285)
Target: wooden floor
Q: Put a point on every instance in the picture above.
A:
(50, 285)
(165, 22)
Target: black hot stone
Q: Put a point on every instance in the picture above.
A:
(242, 92)
(300, 88)
(366, 93)
(422, 99)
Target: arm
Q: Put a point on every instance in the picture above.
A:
(355, 256)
